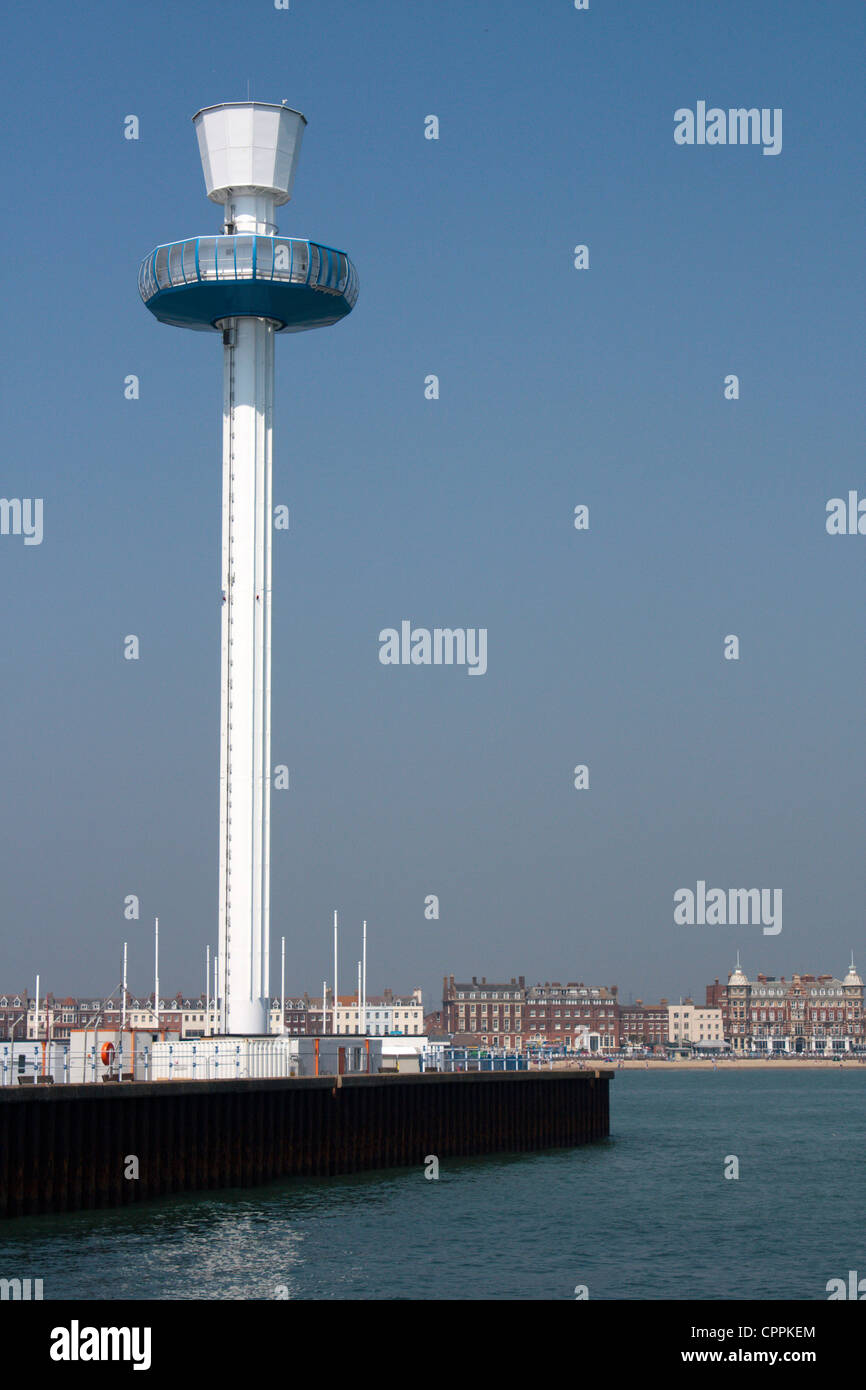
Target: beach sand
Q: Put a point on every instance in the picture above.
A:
(740, 1064)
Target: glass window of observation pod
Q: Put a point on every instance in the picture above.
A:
(161, 268)
(207, 257)
(264, 257)
(146, 282)
(299, 263)
(244, 257)
(175, 264)
(225, 257)
(190, 274)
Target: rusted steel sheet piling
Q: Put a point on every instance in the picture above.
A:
(70, 1148)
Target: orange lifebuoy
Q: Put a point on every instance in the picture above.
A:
(107, 1053)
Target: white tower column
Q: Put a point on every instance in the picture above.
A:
(245, 712)
(249, 152)
(238, 285)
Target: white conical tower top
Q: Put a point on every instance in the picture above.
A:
(249, 147)
(852, 978)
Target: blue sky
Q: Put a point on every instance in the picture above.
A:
(557, 387)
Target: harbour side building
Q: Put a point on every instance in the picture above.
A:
(580, 1017)
(808, 1013)
(384, 1015)
(488, 1014)
(514, 1016)
(13, 1016)
(22, 1020)
(644, 1026)
(691, 1026)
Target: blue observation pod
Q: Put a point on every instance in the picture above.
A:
(249, 153)
(201, 282)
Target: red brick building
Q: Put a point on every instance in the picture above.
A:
(13, 1016)
(808, 1013)
(491, 1012)
(575, 1016)
(644, 1025)
(515, 1016)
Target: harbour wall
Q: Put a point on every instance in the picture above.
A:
(74, 1148)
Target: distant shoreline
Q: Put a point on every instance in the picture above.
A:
(740, 1064)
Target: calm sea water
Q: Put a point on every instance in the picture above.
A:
(647, 1214)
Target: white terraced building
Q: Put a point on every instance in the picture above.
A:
(385, 1015)
(689, 1025)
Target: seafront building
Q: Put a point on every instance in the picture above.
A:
(689, 1025)
(299, 1020)
(644, 1027)
(484, 1012)
(514, 1016)
(13, 1016)
(815, 1014)
(581, 1017)
(808, 1013)
(387, 1015)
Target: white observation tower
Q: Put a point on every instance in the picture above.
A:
(248, 284)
